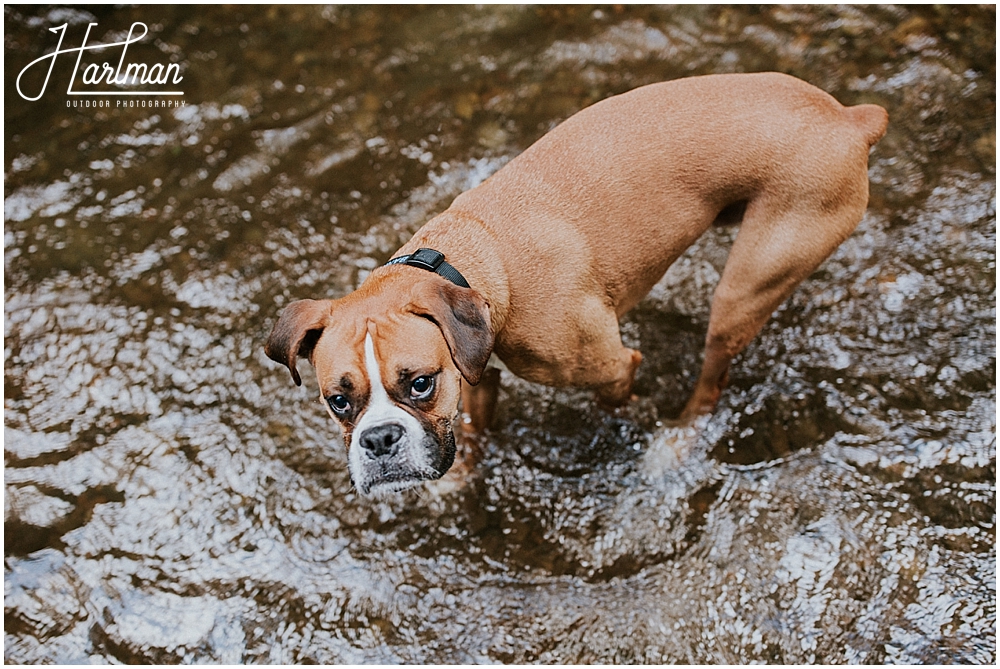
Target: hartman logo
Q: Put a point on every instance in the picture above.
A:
(105, 79)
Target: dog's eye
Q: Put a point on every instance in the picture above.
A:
(422, 387)
(339, 404)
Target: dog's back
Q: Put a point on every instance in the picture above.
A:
(652, 168)
(572, 233)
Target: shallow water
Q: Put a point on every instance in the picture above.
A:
(171, 497)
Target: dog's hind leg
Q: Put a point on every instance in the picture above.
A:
(776, 248)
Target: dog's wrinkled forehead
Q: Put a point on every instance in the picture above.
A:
(339, 357)
(399, 343)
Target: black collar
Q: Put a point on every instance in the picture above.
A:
(432, 261)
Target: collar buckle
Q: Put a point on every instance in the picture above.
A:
(432, 261)
(427, 259)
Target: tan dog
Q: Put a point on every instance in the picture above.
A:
(566, 238)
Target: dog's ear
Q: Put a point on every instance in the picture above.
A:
(296, 332)
(464, 319)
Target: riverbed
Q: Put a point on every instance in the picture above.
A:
(171, 497)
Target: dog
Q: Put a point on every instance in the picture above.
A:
(537, 264)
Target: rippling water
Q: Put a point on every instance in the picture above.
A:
(171, 497)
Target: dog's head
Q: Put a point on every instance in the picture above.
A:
(390, 359)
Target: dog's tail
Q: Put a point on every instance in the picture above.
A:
(872, 120)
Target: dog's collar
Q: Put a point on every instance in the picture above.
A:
(432, 261)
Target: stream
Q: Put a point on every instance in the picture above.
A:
(171, 497)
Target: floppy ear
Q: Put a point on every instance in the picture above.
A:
(464, 319)
(296, 332)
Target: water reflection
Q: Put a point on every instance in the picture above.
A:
(170, 497)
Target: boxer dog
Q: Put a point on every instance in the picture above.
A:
(537, 264)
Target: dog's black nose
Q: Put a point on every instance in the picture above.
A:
(382, 440)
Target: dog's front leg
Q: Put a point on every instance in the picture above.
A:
(478, 409)
(479, 402)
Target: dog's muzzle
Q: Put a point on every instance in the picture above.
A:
(390, 458)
